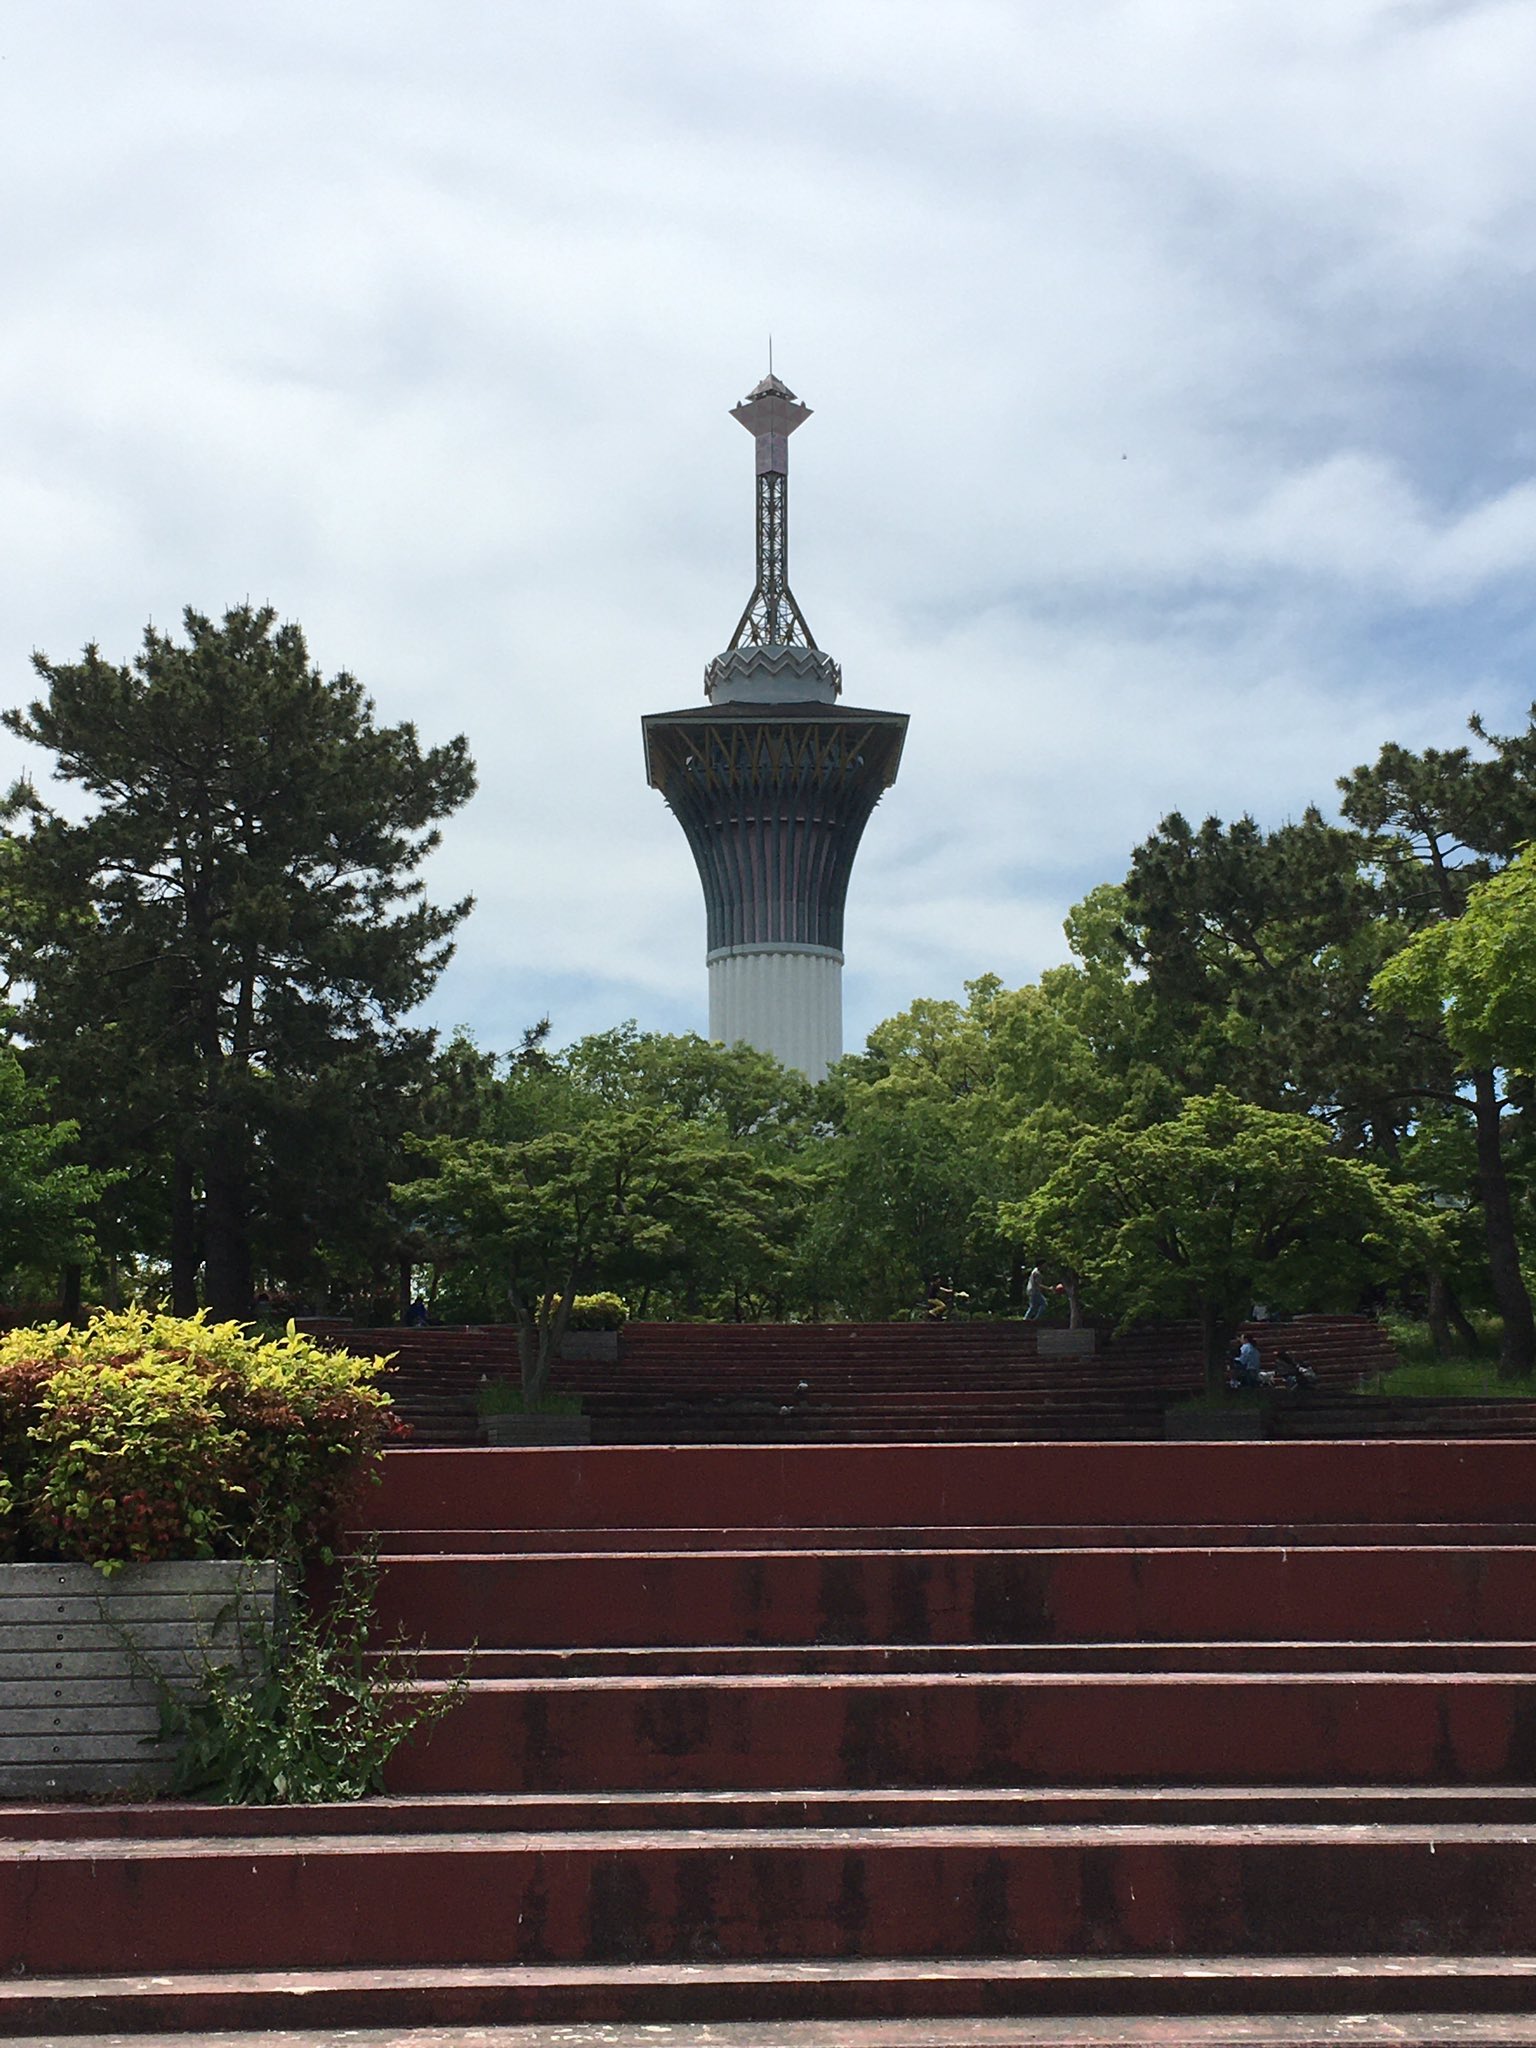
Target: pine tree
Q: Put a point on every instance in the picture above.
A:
(238, 920)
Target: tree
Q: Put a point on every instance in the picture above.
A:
(1476, 973)
(724, 1095)
(1443, 821)
(1258, 948)
(590, 1191)
(1217, 1207)
(238, 922)
(909, 1174)
(45, 1202)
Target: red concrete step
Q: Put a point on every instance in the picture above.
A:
(960, 1536)
(1048, 1806)
(1229, 1593)
(731, 1486)
(345, 1902)
(1242, 2001)
(1072, 1428)
(1307, 2001)
(784, 1732)
(979, 1659)
(1419, 1417)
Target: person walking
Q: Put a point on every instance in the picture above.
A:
(1035, 1286)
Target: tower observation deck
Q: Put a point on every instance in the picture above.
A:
(773, 780)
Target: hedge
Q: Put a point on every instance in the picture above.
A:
(140, 1437)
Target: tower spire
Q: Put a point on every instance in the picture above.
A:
(770, 413)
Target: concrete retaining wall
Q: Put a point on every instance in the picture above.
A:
(76, 1713)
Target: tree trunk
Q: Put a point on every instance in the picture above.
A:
(1460, 1322)
(407, 1289)
(1517, 1353)
(226, 1246)
(1016, 1282)
(1437, 1316)
(527, 1353)
(183, 1239)
(1216, 1333)
(72, 1292)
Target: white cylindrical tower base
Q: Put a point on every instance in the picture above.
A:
(787, 1000)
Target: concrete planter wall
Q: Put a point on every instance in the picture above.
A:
(591, 1347)
(1059, 1343)
(75, 1712)
(504, 1431)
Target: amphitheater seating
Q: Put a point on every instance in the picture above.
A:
(851, 1382)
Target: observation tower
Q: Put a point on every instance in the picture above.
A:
(773, 781)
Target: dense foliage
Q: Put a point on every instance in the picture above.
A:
(140, 1437)
(46, 1200)
(1225, 1204)
(662, 1167)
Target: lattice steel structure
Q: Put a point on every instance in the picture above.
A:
(773, 782)
(770, 413)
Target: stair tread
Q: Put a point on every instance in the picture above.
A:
(1149, 1682)
(1278, 1970)
(791, 1556)
(706, 1661)
(1368, 1836)
(479, 1813)
(1277, 2030)
(1143, 1995)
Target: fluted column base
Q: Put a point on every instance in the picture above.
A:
(787, 1000)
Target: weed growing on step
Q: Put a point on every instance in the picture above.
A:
(307, 1712)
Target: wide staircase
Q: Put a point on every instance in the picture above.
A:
(973, 1382)
(886, 1746)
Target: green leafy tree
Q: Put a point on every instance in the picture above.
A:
(590, 1192)
(909, 1173)
(1221, 1205)
(45, 1201)
(1476, 973)
(235, 928)
(1442, 822)
(736, 1089)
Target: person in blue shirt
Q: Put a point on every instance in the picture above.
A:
(1247, 1366)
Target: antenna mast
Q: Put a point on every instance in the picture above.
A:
(770, 413)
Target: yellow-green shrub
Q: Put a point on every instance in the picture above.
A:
(598, 1312)
(143, 1437)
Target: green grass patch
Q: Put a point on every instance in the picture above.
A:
(1457, 1378)
(1421, 1373)
(501, 1397)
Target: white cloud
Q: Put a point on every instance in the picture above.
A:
(1174, 440)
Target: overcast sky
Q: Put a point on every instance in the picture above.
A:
(1173, 366)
